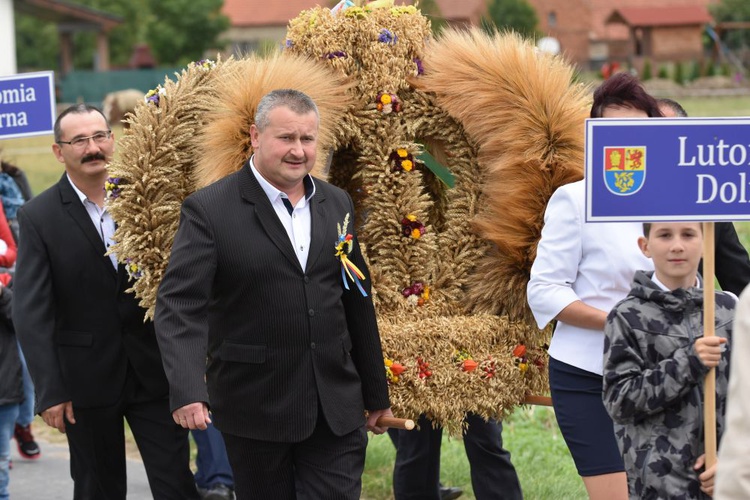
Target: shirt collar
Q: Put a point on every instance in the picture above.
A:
(664, 287)
(273, 193)
(81, 195)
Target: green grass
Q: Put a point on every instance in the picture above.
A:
(544, 465)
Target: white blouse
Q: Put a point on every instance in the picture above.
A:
(576, 260)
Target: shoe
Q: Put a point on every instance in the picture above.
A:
(27, 447)
(217, 492)
(448, 493)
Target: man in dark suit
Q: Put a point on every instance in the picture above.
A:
(91, 356)
(732, 268)
(256, 285)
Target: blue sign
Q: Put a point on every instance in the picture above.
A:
(27, 104)
(667, 169)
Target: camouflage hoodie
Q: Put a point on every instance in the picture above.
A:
(653, 385)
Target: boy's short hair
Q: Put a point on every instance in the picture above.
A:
(647, 228)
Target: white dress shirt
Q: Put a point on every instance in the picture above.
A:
(101, 219)
(590, 262)
(298, 223)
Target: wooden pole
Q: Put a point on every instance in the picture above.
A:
(709, 386)
(395, 423)
(538, 400)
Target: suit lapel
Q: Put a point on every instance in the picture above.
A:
(78, 213)
(252, 192)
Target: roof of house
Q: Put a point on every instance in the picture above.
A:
(278, 13)
(660, 16)
(60, 11)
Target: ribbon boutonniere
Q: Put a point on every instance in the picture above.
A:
(344, 246)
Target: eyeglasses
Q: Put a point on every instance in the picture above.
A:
(82, 142)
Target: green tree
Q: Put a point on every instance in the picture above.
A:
(733, 10)
(517, 15)
(37, 44)
(431, 10)
(194, 26)
(178, 31)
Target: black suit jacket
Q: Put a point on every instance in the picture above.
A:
(78, 328)
(731, 260)
(281, 342)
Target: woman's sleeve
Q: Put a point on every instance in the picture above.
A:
(558, 255)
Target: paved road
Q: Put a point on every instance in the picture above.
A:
(48, 478)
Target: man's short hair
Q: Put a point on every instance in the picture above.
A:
(673, 105)
(76, 109)
(297, 101)
(625, 90)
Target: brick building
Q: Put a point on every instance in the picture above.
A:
(256, 24)
(592, 32)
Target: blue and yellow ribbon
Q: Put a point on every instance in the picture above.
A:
(343, 248)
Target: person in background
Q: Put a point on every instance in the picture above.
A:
(11, 383)
(581, 271)
(11, 380)
(94, 360)
(655, 362)
(733, 475)
(213, 475)
(27, 445)
(732, 261)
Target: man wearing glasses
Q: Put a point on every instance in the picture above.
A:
(91, 356)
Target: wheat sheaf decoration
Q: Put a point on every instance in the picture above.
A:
(450, 149)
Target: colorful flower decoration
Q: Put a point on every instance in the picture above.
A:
(488, 367)
(343, 248)
(387, 37)
(412, 227)
(420, 67)
(153, 95)
(522, 362)
(205, 64)
(112, 187)
(424, 368)
(417, 294)
(393, 371)
(134, 271)
(339, 54)
(402, 160)
(523, 357)
(464, 360)
(388, 103)
(289, 43)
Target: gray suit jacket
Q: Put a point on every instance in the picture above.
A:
(281, 342)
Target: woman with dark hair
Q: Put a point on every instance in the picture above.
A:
(581, 271)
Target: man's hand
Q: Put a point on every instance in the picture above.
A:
(55, 416)
(709, 350)
(373, 417)
(706, 477)
(192, 416)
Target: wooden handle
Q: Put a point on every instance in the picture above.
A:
(395, 423)
(538, 400)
